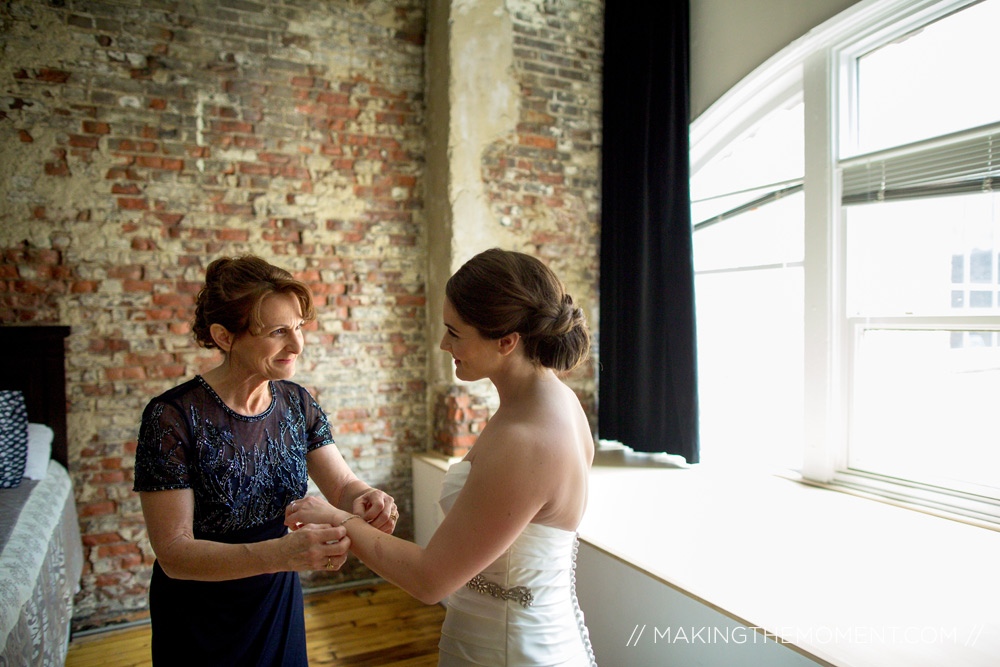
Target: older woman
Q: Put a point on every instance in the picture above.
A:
(506, 547)
(219, 457)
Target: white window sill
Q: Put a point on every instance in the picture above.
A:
(846, 580)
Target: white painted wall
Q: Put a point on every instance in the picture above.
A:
(428, 475)
(730, 38)
(638, 621)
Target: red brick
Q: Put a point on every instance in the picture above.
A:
(179, 300)
(96, 509)
(332, 99)
(83, 141)
(534, 140)
(84, 286)
(248, 142)
(122, 172)
(159, 314)
(112, 477)
(95, 127)
(130, 561)
(56, 169)
(386, 117)
(343, 112)
(352, 414)
(296, 173)
(133, 204)
(143, 244)
(116, 550)
(234, 209)
(232, 234)
(125, 189)
(101, 538)
(379, 91)
(109, 579)
(52, 75)
(288, 236)
(232, 126)
(254, 168)
(274, 157)
(167, 371)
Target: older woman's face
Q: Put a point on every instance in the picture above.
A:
(271, 352)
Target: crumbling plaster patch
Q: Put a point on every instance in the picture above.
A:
(484, 101)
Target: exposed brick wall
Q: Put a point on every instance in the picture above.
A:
(544, 182)
(459, 417)
(142, 139)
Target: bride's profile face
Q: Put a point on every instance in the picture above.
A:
(472, 352)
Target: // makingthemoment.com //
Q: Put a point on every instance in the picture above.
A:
(708, 634)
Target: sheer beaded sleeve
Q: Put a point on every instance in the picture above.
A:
(161, 456)
(317, 426)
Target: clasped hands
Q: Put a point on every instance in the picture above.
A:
(317, 524)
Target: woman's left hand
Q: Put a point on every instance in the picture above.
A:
(378, 509)
(313, 509)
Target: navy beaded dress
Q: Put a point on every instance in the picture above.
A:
(243, 471)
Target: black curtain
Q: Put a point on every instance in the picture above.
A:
(648, 395)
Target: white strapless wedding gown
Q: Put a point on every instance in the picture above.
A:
(520, 610)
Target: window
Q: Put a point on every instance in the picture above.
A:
(847, 257)
(748, 292)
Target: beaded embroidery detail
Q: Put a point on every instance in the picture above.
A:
(520, 594)
(243, 470)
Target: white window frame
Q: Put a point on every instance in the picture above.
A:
(820, 66)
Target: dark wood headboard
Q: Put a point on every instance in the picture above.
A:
(35, 364)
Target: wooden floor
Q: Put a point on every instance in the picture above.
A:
(372, 625)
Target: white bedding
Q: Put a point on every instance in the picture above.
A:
(40, 566)
(39, 450)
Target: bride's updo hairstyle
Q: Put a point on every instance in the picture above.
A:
(501, 292)
(234, 291)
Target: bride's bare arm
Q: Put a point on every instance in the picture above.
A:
(506, 488)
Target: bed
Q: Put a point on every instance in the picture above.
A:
(41, 556)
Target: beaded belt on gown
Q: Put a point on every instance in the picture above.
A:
(520, 594)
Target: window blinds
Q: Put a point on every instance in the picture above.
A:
(960, 163)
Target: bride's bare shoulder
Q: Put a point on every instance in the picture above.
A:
(525, 443)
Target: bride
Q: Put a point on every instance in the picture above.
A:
(505, 551)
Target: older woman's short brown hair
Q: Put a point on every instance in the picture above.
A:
(234, 290)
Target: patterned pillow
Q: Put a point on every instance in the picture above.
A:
(13, 438)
